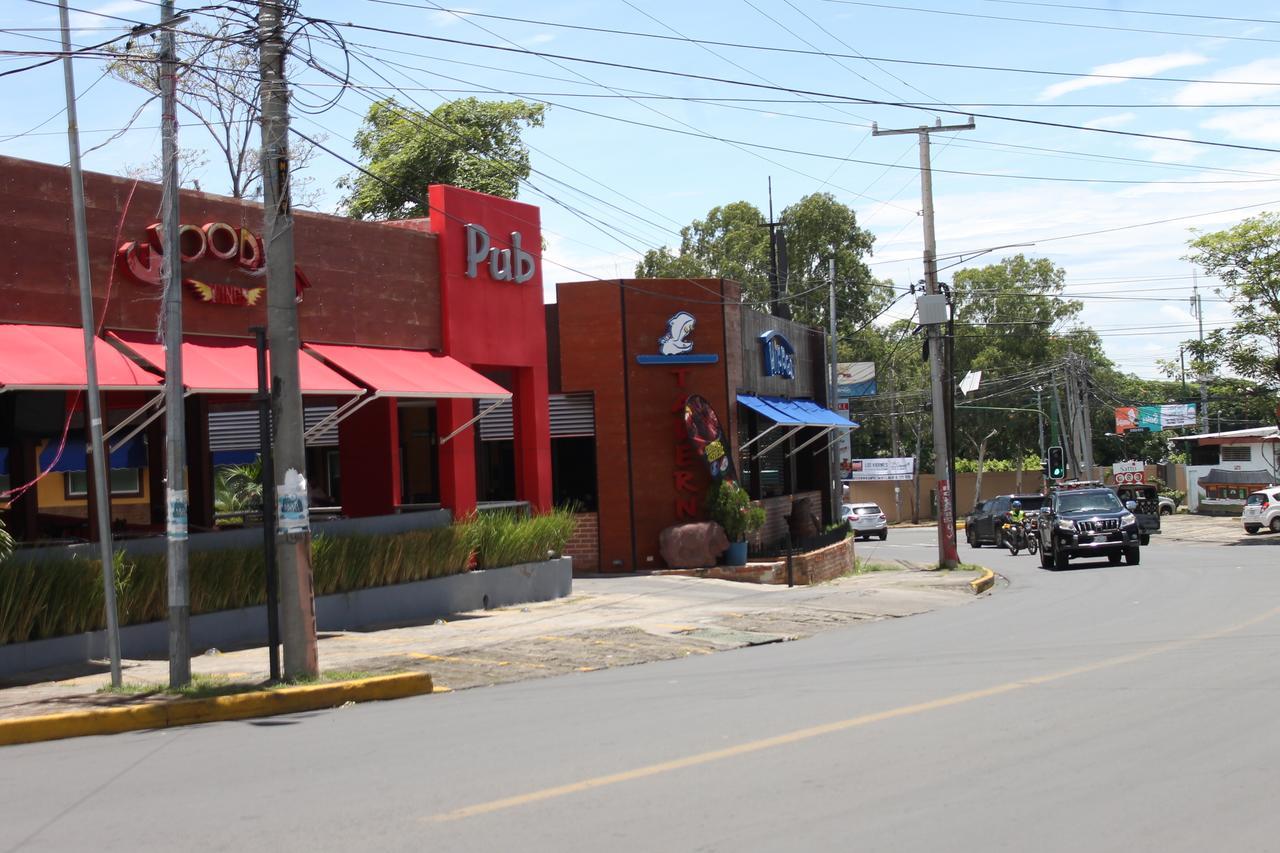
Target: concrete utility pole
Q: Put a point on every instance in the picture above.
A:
(833, 448)
(948, 556)
(97, 450)
(293, 529)
(175, 417)
(1198, 307)
(1086, 423)
(1040, 421)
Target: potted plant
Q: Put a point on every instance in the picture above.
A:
(729, 506)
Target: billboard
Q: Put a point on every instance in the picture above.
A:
(893, 468)
(856, 378)
(1155, 418)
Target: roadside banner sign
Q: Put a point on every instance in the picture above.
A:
(893, 468)
(1155, 418)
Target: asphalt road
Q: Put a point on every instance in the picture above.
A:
(1101, 708)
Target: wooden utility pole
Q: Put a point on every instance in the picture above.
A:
(948, 555)
(293, 529)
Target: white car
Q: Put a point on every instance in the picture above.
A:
(1262, 509)
(866, 520)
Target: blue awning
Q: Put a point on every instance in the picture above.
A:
(74, 458)
(795, 413)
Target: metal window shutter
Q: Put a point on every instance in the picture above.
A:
(238, 430)
(572, 416)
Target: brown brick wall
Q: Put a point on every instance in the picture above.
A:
(776, 511)
(584, 544)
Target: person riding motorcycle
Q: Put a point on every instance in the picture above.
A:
(1017, 518)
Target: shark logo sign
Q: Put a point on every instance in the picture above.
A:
(513, 264)
(676, 346)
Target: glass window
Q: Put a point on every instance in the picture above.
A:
(125, 482)
(1257, 499)
(1089, 502)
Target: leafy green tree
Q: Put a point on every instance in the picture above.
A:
(469, 143)
(1246, 258)
(733, 242)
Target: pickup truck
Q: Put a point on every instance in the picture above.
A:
(1088, 522)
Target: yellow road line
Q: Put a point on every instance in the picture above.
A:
(812, 732)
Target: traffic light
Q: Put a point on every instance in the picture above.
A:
(1057, 465)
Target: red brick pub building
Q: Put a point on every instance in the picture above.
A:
(410, 330)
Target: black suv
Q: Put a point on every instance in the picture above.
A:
(984, 525)
(1088, 523)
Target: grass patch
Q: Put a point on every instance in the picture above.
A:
(864, 567)
(207, 686)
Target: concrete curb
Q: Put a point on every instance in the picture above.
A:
(984, 583)
(185, 712)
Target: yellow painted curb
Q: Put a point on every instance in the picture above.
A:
(984, 583)
(185, 712)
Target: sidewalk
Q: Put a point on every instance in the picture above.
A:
(606, 622)
(1214, 529)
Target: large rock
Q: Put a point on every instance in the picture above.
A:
(691, 546)
(803, 521)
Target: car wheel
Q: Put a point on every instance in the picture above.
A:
(1252, 529)
(1059, 558)
(1146, 540)
(884, 534)
(971, 537)
(1114, 558)
(1164, 510)
(1132, 556)
(1046, 559)
(1275, 524)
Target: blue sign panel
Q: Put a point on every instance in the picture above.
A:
(779, 355)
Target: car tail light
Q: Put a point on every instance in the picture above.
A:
(880, 517)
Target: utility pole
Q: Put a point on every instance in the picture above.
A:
(948, 556)
(179, 586)
(293, 529)
(833, 449)
(1198, 307)
(97, 449)
(1040, 421)
(778, 306)
(1086, 423)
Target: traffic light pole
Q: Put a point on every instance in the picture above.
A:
(948, 555)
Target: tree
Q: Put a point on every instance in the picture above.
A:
(732, 242)
(469, 143)
(1012, 324)
(218, 87)
(1246, 259)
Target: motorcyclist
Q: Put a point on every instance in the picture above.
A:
(1017, 518)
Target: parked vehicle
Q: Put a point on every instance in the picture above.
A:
(866, 520)
(984, 525)
(1088, 522)
(1262, 509)
(1147, 510)
(1168, 506)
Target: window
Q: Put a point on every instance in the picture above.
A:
(125, 482)
(1237, 454)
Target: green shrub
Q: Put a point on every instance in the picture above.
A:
(59, 597)
(729, 505)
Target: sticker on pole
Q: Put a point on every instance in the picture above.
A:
(176, 523)
(291, 504)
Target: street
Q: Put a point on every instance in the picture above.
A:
(1099, 708)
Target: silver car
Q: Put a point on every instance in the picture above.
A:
(866, 520)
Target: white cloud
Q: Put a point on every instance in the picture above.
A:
(1168, 150)
(1117, 120)
(540, 38)
(1253, 125)
(1251, 82)
(1141, 66)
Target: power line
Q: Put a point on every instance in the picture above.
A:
(1111, 10)
(1048, 23)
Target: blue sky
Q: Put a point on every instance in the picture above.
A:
(626, 157)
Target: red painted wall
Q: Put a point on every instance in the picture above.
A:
(492, 323)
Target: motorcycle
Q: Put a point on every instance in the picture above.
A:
(1018, 536)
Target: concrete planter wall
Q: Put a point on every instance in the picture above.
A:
(421, 601)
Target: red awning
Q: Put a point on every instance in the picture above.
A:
(227, 365)
(408, 373)
(51, 358)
